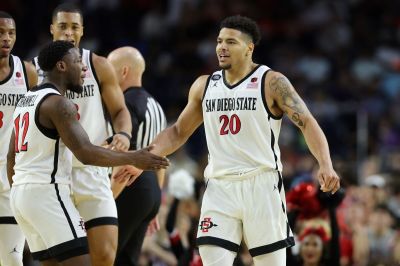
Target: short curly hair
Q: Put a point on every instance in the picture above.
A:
(4, 14)
(53, 52)
(67, 8)
(243, 24)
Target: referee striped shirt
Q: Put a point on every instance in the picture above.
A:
(148, 118)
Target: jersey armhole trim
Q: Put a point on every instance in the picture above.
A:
(94, 70)
(9, 76)
(25, 75)
(48, 132)
(206, 87)
(264, 99)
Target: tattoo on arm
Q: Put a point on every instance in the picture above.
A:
(68, 111)
(290, 99)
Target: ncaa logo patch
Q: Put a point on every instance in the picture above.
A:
(206, 224)
(216, 77)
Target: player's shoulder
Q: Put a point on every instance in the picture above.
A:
(98, 59)
(202, 81)
(274, 73)
(199, 86)
(30, 67)
(59, 106)
(101, 65)
(272, 77)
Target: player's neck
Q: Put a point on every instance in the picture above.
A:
(235, 74)
(59, 85)
(4, 67)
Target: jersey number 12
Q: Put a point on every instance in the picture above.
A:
(24, 126)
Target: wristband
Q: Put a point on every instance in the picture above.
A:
(124, 134)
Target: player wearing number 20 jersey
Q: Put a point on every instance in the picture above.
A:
(236, 118)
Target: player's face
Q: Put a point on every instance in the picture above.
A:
(76, 71)
(67, 27)
(311, 249)
(7, 36)
(232, 48)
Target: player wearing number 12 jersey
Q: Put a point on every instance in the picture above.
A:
(15, 78)
(242, 106)
(39, 163)
(91, 185)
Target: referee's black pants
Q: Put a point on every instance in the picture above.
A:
(137, 205)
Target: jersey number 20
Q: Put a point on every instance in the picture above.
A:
(24, 126)
(230, 124)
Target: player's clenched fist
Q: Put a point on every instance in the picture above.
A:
(328, 179)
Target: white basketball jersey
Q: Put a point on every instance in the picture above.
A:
(12, 89)
(89, 104)
(40, 154)
(242, 135)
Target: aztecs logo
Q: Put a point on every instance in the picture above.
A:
(82, 224)
(206, 224)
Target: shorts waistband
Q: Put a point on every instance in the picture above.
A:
(245, 175)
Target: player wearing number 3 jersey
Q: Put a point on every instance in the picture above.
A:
(15, 78)
(242, 107)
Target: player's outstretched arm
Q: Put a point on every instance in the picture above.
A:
(289, 102)
(60, 113)
(32, 74)
(173, 137)
(114, 101)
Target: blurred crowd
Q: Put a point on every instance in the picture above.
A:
(342, 56)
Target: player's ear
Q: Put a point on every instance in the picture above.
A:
(61, 66)
(51, 29)
(250, 48)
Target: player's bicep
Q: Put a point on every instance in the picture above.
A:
(288, 100)
(70, 130)
(111, 92)
(192, 116)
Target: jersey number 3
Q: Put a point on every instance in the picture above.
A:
(229, 124)
(24, 126)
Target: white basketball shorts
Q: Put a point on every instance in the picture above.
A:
(49, 220)
(91, 189)
(251, 208)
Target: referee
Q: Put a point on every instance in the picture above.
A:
(138, 203)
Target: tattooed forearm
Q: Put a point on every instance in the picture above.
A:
(290, 99)
(296, 119)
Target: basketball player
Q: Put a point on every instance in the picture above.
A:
(138, 203)
(242, 107)
(45, 124)
(91, 185)
(16, 77)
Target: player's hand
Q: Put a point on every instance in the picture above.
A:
(120, 142)
(146, 160)
(328, 179)
(126, 174)
(153, 226)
